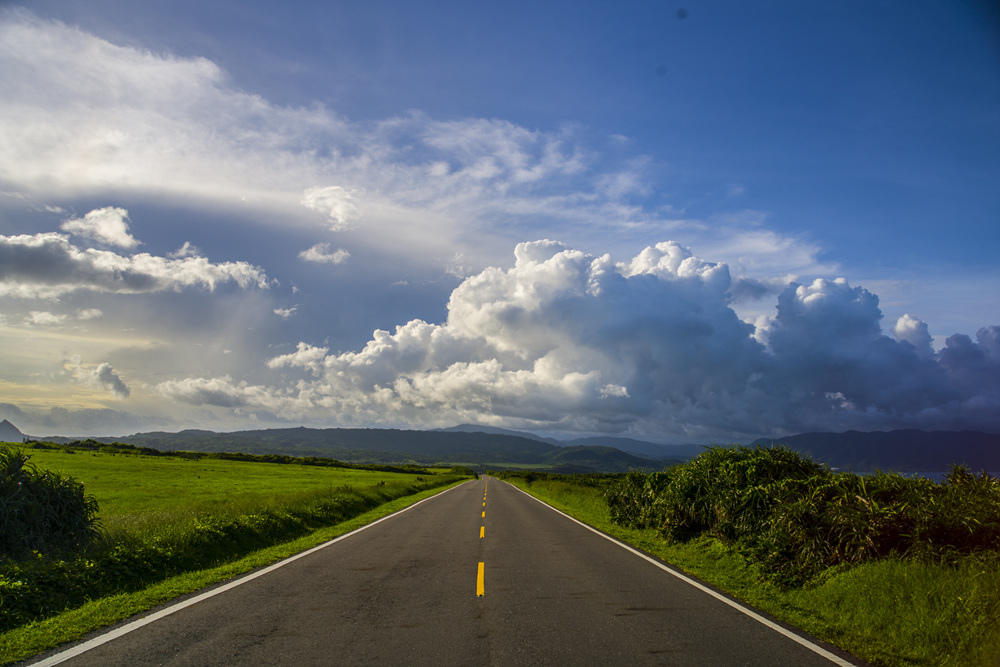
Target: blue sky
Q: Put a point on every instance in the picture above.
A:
(771, 217)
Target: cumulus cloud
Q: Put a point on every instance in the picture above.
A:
(48, 265)
(105, 225)
(320, 253)
(914, 332)
(285, 313)
(567, 340)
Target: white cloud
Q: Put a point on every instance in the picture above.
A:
(89, 314)
(914, 332)
(567, 340)
(105, 225)
(285, 313)
(305, 356)
(186, 250)
(336, 203)
(48, 265)
(82, 115)
(44, 318)
(321, 253)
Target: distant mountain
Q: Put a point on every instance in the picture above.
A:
(399, 446)
(478, 428)
(10, 433)
(604, 459)
(901, 451)
(649, 450)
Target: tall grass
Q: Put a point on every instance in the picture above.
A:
(797, 519)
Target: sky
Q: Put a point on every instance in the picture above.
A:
(684, 222)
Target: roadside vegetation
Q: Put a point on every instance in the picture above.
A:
(896, 570)
(149, 519)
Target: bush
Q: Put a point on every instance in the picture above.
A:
(41, 511)
(797, 519)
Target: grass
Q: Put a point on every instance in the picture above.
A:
(129, 485)
(174, 525)
(887, 612)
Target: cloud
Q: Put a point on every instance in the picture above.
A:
(48, 265)
(186, 250)
(568, 340)
(336, 203)
(218, 392)
(44, 318)
(285, 313)
(105, 225)
(914, 332)
(321, 253)
(82, 115)
(105, 376)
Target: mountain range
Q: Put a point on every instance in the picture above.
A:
(486, 446)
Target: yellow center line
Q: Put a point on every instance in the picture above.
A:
(482, 531)
(480, 580)
(484, 514)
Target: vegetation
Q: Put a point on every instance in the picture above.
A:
(797, 519)
(41, 510)
(166, 516)
(898, 571)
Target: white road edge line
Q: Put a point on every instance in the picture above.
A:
(835, 659)
(135, 625)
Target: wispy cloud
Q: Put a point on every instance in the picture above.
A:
(320, 253)
(163, 125)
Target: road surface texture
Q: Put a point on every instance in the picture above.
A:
(479, 575)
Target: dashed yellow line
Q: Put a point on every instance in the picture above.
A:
(480, 580)
(482, 531)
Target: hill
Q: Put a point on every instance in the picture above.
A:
(9, 432)
(649, 450)
(399, 446)
(902, 451)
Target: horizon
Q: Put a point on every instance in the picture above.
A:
(677, 222)
(563, 438)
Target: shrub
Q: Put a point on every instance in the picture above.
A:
(797, 519)
(41, 511)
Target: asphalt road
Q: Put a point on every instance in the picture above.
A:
(479, 575)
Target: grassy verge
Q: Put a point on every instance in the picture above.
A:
(890, 613)
(39, 636)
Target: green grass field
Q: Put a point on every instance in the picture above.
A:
(171, 525)
(888, 612)
(137, 490)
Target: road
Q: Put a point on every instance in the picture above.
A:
(481, 574)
